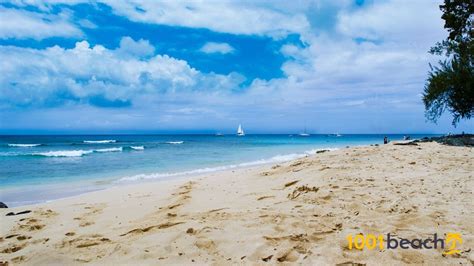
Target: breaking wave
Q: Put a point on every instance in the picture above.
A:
(174, 142)
(74, 153)
(23, 145)
(274, 159)
(109, 150)
(137, 148)
(100, 141)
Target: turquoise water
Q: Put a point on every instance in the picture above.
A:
(40, 168)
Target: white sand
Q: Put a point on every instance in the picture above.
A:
(261, 215)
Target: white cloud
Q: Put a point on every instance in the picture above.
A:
(336, 65)
(140, 48)
(97, 75)
(85, 23)
(214, 47)
(400, 21)
(23, 24)
(236, 17)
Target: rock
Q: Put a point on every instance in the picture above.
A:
(3, 205)
(453, 140)
(18, 213)
(406, 143)
(321, 151)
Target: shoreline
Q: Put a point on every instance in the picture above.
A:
(50, 178)
(111, 182)
(297, 211)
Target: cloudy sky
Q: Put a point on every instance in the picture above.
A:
(110, 66)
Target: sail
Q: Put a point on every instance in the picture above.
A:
(240, 131)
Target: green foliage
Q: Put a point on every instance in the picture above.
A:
(450, 86)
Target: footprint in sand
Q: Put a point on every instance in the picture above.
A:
(265, 197)
(298, 191)
(91, 212)
(288, 248)
(155, 222)
(150, 228)
(85, 241)
(19, 237)
(99, 244)
(18, 259)
(12, 248)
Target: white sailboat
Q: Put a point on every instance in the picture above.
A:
(304, 134)
(240, 131)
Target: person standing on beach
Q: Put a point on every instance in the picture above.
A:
(385, 140)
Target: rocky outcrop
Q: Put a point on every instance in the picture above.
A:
(452, 140)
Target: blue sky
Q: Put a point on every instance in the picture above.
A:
(187, 66)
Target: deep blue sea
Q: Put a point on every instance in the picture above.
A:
(41, 168)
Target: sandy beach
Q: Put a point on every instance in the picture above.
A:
(296, 212)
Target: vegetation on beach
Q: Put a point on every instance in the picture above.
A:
(450, 86)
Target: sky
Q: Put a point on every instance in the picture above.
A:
(105, 66)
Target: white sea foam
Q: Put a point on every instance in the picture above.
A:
(23, 145)
(71, 153)
(75, 153)
(275, 159)
(100, 141)
(137, 147)
(109, 149)
(175, 142)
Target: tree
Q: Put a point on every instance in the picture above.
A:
(450, 86)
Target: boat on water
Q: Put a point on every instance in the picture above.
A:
(304, 133)
(240, 131)
(219, 134)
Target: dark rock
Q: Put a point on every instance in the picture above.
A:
(406, 143)
(18, 213)
(3, 205)
(452, 140)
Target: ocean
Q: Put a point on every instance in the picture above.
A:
(36, 169)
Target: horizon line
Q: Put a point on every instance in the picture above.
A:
(213, 134)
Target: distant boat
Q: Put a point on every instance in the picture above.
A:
(240, 131)
(219, 134)
(304, 134)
